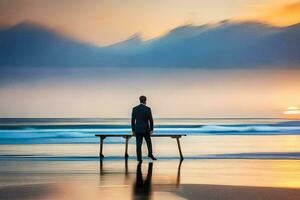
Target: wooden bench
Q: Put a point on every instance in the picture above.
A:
(127, 137)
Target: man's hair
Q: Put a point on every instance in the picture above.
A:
(143, 99)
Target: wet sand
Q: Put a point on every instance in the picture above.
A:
(228, 179)
(218, 192)
(192, 192)
(270, 170)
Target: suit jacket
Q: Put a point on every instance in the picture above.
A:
(141, 119)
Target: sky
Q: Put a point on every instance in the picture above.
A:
(171, 93)
(104, 22)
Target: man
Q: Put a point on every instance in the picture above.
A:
(142, 127)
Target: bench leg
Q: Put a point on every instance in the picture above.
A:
(126, 147)
(101, 167)
(179, 148)
(101, 147)
(178, 174)
(126, 166)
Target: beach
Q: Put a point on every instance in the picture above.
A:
(244, 164)
(191, 179)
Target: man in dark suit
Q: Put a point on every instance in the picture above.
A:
(142, 127)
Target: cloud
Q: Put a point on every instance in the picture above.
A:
(235, 45)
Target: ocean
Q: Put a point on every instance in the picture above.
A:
(82, 130)
(73, 138)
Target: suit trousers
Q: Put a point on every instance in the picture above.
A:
(139, 142)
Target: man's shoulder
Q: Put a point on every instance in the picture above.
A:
(135, 107)
(141, 106)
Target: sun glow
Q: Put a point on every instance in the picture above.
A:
(292, 110)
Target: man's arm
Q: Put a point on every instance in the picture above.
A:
(151, 120)
(133, 121)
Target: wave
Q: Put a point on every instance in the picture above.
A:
(250, 129)
(38, 134)
(85, 134)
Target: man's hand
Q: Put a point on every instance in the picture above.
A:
(133, 133)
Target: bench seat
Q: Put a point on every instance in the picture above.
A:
(128, 136)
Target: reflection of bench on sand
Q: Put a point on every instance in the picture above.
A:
(127, 137)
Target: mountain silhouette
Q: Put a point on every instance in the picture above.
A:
(219, 46)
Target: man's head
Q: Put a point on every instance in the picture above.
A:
(143, 99)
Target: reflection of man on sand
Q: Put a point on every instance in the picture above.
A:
(142, 188)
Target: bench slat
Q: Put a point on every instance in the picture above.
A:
(124, 135)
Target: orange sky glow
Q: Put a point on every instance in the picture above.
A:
(108, 21)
